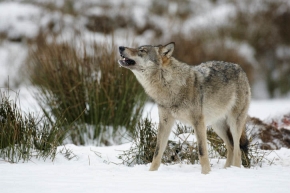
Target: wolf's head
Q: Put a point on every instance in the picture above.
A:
(146, 57)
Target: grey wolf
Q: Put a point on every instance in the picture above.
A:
(213, 93)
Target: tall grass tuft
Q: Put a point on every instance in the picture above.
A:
(86, 86)
(24, 136)
(181, 149)
(144, 143)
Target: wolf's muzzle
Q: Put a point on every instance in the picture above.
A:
(125, 61)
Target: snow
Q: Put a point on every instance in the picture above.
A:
(267, 109)
(26, 100)
(216, 16)
(99, 169)
(19, 20)
(102, 172)
(12, 56)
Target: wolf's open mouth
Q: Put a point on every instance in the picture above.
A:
(127, 61)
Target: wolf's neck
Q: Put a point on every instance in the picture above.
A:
(166, 81)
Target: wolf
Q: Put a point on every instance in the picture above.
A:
(213, 93)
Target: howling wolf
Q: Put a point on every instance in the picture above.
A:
(213, 93)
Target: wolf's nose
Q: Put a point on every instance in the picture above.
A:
(121, 48)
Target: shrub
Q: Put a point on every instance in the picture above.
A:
(181, 150)
(161, 8)
(144, 142)
(108, 24)
(88, 90)
(24, 136)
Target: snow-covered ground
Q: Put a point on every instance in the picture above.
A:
(91, 173)
(268, 109)
(98, 169)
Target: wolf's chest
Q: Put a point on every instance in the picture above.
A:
(180, 111)
(183, 114)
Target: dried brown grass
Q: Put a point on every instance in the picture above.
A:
(178, 151)
(86, 86)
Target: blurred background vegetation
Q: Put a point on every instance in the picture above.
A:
(252, 33)
(69, 56)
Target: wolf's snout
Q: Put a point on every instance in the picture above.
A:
(125, 61)
(121, 48)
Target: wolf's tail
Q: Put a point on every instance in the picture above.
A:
(244, 142)
(244, 145)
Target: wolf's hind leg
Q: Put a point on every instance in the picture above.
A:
(222, 130)
(165, 123)
(237, 125)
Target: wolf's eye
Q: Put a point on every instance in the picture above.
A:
(143, 50)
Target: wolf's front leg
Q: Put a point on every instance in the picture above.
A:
(165, 123)
(200, 132)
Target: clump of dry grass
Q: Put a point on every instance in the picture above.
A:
(182, 150)
(108, 24)
(25, 136)
(161, 8)
(142, 151)
(87, 87)
(270, 136)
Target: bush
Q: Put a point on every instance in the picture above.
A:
(23, 136)
(90, 91)
(144, 142)
(181, 150)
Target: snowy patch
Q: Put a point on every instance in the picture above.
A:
(97, 169)
(12, 58)
(265, 109)
(18, 20)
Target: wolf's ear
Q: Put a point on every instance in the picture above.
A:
(168, 49)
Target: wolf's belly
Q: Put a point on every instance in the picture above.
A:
(211, 112)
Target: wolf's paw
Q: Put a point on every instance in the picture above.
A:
(205, 170)
(154, 167)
